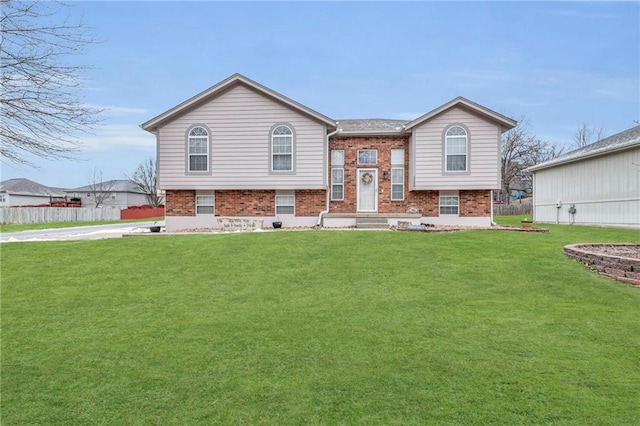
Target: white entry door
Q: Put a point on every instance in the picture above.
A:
(367, 190)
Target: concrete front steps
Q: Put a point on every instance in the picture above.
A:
(372, 222)
(367, 220)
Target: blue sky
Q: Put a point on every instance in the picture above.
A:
(557, 63)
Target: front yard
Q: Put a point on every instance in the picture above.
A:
(318, 327)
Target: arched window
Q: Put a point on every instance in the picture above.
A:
(282, 149)
(456, 149)
(198, 142)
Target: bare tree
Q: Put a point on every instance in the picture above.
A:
(586, 135)
(41, 106)
(146, 179)
(99, 189)
(521, 150)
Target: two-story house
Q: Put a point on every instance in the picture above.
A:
(242, 150)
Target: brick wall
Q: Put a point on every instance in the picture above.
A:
(310, 202)
(180, 203)
(245, 203)
(475, 203)
(384, 145)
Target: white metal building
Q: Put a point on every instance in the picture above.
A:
(598, 184)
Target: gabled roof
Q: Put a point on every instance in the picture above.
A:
(22, 186)
(506, 122)
(623, 140)
(221, 87)
(116, 185)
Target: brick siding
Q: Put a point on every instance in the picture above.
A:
(245, 202)
(180, 203)
(310, 202)
(475, 203)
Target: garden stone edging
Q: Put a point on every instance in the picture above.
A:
(612, 265)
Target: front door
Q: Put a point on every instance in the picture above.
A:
(367, 190)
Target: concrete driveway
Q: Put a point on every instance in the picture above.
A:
(95, 232)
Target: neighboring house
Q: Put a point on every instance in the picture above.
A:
(25, 192)
(521, 186)
(242, 150)
(117, 193)
(598, 184)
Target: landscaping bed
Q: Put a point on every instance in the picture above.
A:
(618, 261)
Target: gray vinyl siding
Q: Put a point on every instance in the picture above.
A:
(483, 156)
(605, 190)
(239, 121)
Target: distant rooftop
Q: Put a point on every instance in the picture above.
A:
(627, 138)
(371, 125)
(22, 186)
(116, 185)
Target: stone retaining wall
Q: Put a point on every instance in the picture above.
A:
(625, 269)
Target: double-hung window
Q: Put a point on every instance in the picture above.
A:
(282, 149)
(456, 143)
(198, 146)
(285, 204)
(204, 204)
(449, 204)
(337, 174)
(397, 174)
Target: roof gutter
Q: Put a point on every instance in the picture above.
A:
(328, 199)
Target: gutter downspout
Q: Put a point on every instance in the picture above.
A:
(326, 210)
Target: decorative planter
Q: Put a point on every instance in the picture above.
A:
(277, 225)
(154, 229)
(526, 224)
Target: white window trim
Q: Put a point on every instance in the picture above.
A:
(397, 184)
(337, 163)
(293, 203)
(445, 145)
(368, 163)
(188, 154)
(293, 149)
(397, 166)
(213, 203)
(446, 194)
(337, 184)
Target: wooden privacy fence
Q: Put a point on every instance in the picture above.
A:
(57, 214)
(513, 209)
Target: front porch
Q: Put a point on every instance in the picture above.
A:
(368, 220)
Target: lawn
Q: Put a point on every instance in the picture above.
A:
(318, 327)
(16, 227)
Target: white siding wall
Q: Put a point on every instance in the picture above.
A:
(605, 191)
(25, 200)
(115, 199)
(483, 156)
(240, 121)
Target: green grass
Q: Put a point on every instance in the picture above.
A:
(318, 327)
(35, 226)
